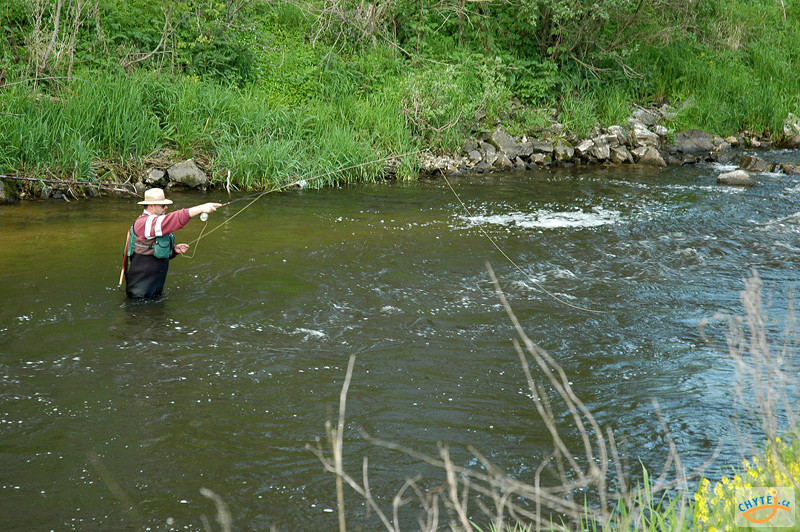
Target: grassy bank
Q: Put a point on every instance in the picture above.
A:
(277, 91)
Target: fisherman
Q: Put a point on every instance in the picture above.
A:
(151, 243)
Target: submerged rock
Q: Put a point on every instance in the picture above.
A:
(755, 164)
(737, 178)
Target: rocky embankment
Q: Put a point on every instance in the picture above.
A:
(644, 140)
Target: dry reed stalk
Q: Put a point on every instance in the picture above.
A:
(514, 502)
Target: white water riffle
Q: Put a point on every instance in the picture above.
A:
(547, 219)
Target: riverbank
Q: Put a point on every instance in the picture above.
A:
(272, 93)
(644, 140)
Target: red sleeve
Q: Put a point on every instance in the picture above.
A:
(160, 225)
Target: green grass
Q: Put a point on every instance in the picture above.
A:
(310, 100)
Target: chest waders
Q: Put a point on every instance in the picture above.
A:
(147, 274)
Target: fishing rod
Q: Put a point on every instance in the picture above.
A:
(296, 183)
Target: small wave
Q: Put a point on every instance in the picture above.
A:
(310, 333)
(546, 219)
(724, 167)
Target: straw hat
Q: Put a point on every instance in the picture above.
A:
(155, 196)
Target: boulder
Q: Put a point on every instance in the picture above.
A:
(601, 150)
(470, 145)
(541, 159)
(187, 173)
(620, 133)
(525, 148)
(5, 197)
(474, 156)
(790, 169)
(648, 155)
(646, 117)
(737, 178)
(754, 164)
(505, 143)
(542, 146)
(791, 126)
(644, 137)
(694, 142)
(489, 153)
(620, 154)
(154, 176)
(563, 150)
(584, 148)
(502, 162)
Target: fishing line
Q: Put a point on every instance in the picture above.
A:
(299, 182)
(523, 272)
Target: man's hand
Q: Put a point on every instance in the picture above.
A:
(180, 249)
(207, 208)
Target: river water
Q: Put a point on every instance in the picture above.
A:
(115, 414)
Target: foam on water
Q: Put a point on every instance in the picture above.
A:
(547, 219)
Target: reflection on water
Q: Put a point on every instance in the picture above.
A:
(223, 381)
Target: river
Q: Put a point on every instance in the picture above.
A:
(114, 414)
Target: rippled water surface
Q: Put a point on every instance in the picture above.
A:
(115, 413)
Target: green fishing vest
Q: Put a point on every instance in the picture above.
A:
(162, 247)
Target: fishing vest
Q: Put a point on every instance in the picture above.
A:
(162, 246)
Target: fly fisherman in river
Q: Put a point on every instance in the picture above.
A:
(151, 243)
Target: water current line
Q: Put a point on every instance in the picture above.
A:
(523, 272)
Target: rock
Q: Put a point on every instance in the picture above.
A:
(733, 141)
(46, 191)
(563, 151)
(645, 117)
(620, 154)
(519, 164)
(648, 155)
(642, 136)
(723, 153)
(795, 141)
(791, 126)
(187, 174)
(661, 131)
(154, 176)
(525, 148)
(542, 146)
(754, 164)
(489, 153)
(541, 158)
(601, 150)
(474, 156)
(694, 142)
(470, 145)
(505, 143)
(5, 197)
(620, 133)
(737, 178)
(140, 187)
(584, 148)
(790, 169)
(502, 162)
(556, 129)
